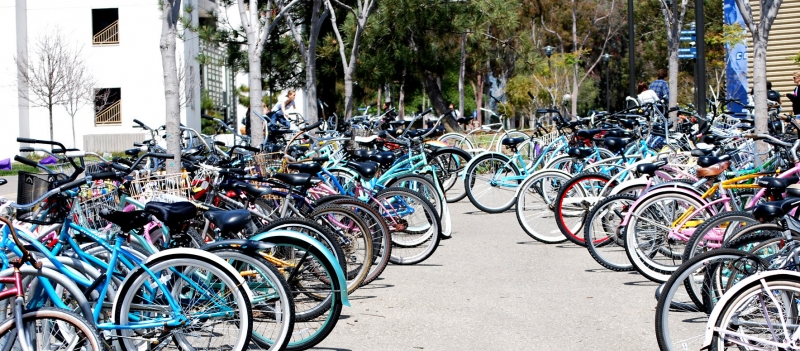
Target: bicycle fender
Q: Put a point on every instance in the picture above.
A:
(481, 156)
(452, 149)
(717, 311)
(206, 255)
(69, 285)
(316, 247)
(655, 192)
(556, 171)
(628, 183)
(239, 244)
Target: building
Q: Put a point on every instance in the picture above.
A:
(119, 40)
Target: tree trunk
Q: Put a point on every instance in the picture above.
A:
(171, 86)
(74, 144)
(479, 99)
(760, 90)
(401, 97)
(257, 130)
(348, 92)
(575, 87)
(50, 111)
(380, 107)
(673, 81)
(461, 72)
(438, 103)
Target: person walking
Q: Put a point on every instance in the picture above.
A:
(279, 111)
(794, 96)
(660, 86)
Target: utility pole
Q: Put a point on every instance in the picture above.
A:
(22, 55)
(700, 62)
(631, 52)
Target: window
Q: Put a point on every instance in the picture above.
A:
(105, 26)
(107, 106)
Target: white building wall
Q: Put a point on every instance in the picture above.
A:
(134, 66)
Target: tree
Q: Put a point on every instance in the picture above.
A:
(79, 93)
(760, 31)
(674, 23)
(258, 22)
(55, 74)
(170, 10)
(360, 17)
(308, 51)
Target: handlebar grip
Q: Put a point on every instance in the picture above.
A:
(120, 167)
(531, 95)
(138, 144)
(250, 148)
(207, 117)
(138, 122)
(27, 141)
(25, 161)
(73, 184)
(160, 155)
(320, 159)
(749, 136)
(102, 175)
(26, 149)
(315, 125)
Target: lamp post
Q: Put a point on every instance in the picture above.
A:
(607, 58)
(548, 50)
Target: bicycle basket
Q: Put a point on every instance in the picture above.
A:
(267, 164)
(93, 199)
(30, 187)
(160, 187)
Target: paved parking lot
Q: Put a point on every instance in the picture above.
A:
(492, 287)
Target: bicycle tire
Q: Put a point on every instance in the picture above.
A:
(534, 206)
(475, 184)
(89, 340)
(705, 235)
(353, 236)
(399, 205)
(566, 205)
(608, 249)
(451, 164)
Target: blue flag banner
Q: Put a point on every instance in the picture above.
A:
(736, 73)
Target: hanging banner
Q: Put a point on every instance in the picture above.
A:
(736, 73)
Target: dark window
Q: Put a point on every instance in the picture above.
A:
(108, 106)
(105, 26)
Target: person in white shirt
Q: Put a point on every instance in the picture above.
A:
(645, 94)
(279, 110)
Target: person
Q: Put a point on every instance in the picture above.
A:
(794, 96)
(390, 116)
(279, 111)
(646, 95)
(660, 86)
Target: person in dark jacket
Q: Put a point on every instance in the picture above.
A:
(794, 96)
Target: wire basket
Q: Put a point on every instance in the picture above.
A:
(267, 164)
(160, 187)
(549, 137)
(30, 187)
(91, 200)
(358, 132)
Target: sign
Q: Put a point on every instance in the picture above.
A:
(688, 33)
(688, 38)
(687, 51)
(687, 56)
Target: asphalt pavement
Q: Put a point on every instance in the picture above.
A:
(9, 191)
(491, 287)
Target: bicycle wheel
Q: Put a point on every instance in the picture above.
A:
(764, 315)
(534, 206)
(381, 236)
(416, 227)
(457, 140)
(354, 238)
(216, 307)
(51, 329)
(651, 247)
(603, 236)
(450, 165)
(423, 185)
(314, 288)
(680, 320)
(488, 185)
(273, 306)
(574, 201)
(711, 234)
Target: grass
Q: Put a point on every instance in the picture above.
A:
(16, 167)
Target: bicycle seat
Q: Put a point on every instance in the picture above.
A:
(171, 213)
(779, 184)
(579, 152)
(793, 190)
(363, 155)
(126, 221)
(417, 132)
(650, 168)
(589, 133)
(628, 123)
(713, 170)
(711, 139)
(190, 151)
(768, 211)
(512, 141)
(615, 144)
(250, 188)
(3, 181)
(132, 152)
(464, 120)
(397, 123)
(385, 158)
(229, 221)
(294, 179)
(310, 168)
(701, 152)
(619, 133)
(707, 161)
(366, 169)
(298, 148)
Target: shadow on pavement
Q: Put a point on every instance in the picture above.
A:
(642, 283)
(570, 246)
(599, 270)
